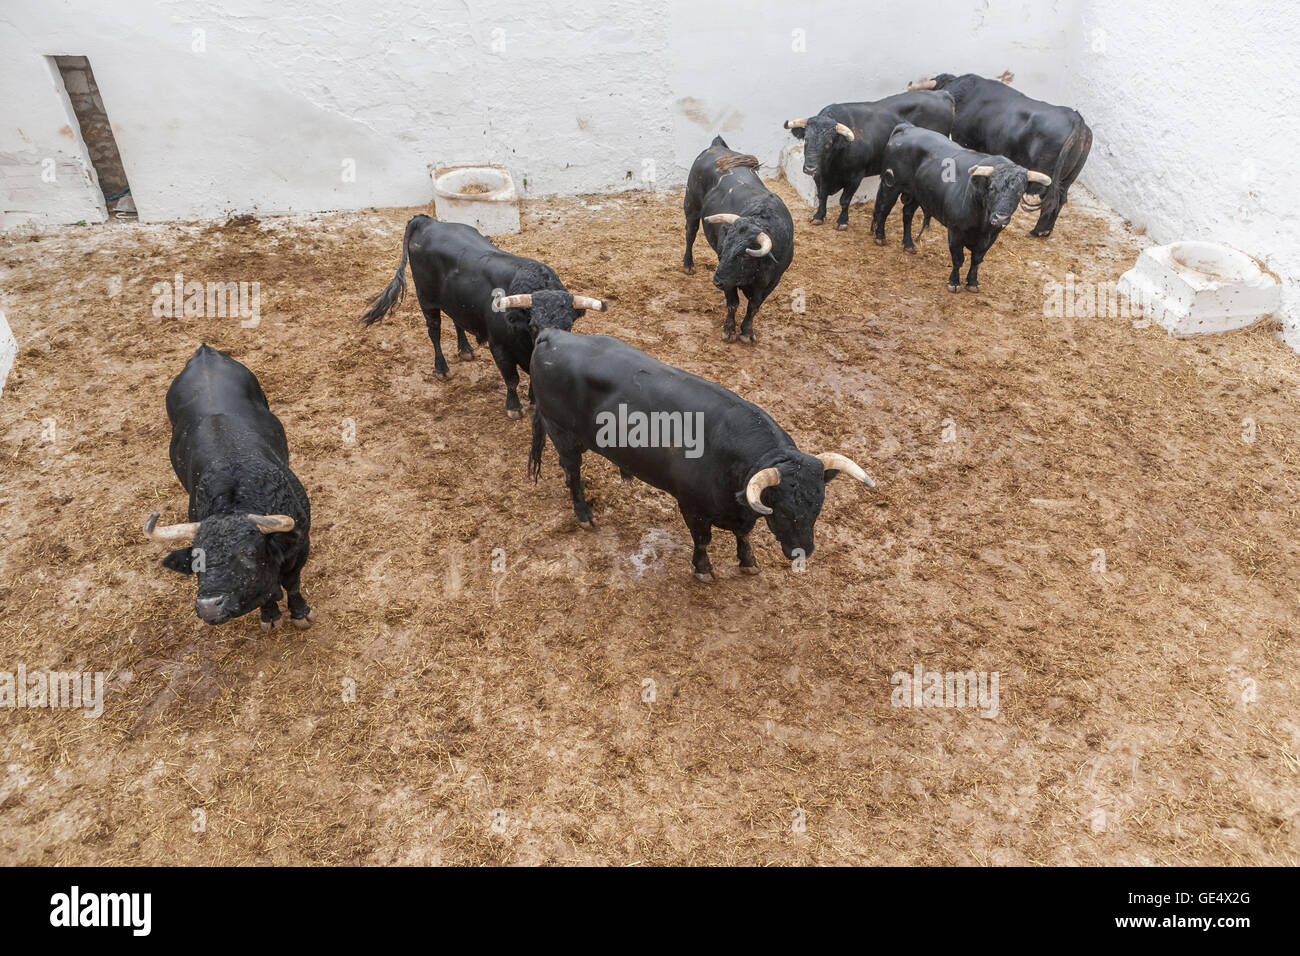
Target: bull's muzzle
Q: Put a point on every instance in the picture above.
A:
(211, 610)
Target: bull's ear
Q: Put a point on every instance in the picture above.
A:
(798, 132)
(178, 561)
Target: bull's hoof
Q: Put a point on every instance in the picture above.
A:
(911, 250)
(749, 569)
(266, 625)
(588, 524)
(817, 220)
(441, 376)
(302, 623)
(705, 576)
(689, 270)
(467, 356)
(729, 337)
(841, 226)
(972, 287)
(747, 340)
(1040, 235)
(514, 413)
(879, 241)
(953, 287)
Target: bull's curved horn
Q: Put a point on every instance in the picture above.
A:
(844, 131)
(169, 532)
(921, 85)
(1034, 176)
(270, 524)
(724, 217)
(834, 461)
(587, 302)
(763, 479)
(796, 124)
(981, 170)
(764, 246)
(501, 303)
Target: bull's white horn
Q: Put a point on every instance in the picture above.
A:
(921, 85)
(587, 302)
(1034, 176)
(796, 124)
(763, 479)
(726, 217)
(981, 170)
(764, 246)
(844, 131)
(270, 524)
(834, 461)
(169, 532)
(501, 303)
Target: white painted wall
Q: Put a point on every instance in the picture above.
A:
(572, 97)
(263, 114)
(1195, 125)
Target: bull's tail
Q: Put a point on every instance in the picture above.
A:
(925, 221)
(384, 303)
(1074, 151)
(535, 451)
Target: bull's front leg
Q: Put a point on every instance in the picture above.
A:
(958, 257)
(745, 554)
(692, 229)
(846, 197)
(977, 252)
(729, 325)
(300, 612)
(751, 310)
(702, 533)
(271, 610)
(509, 372)
(823, 193)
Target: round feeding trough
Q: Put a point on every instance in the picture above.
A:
(480, 196)
(1200, 288)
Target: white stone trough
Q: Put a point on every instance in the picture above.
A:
(480, 196)
(8, 351)
(1200, 288)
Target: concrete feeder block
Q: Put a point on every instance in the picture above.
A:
(1200, 288)
(480, 196)
(8, 351)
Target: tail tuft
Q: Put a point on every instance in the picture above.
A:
(394, 292)
(535, 451)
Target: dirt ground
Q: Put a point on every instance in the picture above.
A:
(1147, 709)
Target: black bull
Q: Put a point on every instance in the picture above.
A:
(249, 517)
(845, 142)
(724, 459)
(972, 193)
(496, 296)
(992, 117)
(747, 225)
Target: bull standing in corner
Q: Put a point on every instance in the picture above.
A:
(724, 459)
(992, 117)
(494, 295)
(249, 515)
(971, 193)
(845, 142)
(748, 227)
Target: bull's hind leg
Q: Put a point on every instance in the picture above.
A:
(300, 612)
(729, 324)
(464, 350)
(910, 207)
(702, 533)
(433, 322)
(692, 228)
(509, 372)
(886, 196)
(570, 455)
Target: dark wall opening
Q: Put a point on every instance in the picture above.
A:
(96, 132)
